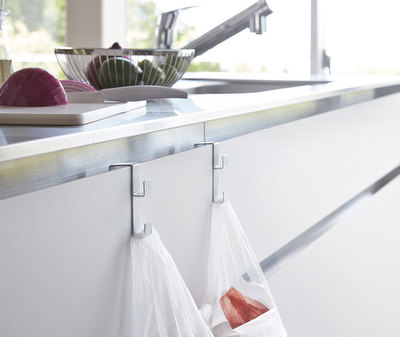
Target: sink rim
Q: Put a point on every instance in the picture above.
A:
(201, 86)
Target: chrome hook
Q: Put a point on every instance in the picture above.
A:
(216, 165)
(224, 161)
(146, 189)
(135, 202)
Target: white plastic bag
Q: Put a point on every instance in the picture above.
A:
(232, 263)
(162, 304)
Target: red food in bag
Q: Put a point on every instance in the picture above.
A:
(240, 309)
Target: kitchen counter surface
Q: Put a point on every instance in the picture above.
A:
(228, 115)
(22, 141)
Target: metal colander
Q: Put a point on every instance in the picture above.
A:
(107, 68)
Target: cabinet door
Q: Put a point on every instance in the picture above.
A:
(346, 284)
(65, 259)
(64, 251)
(179, 207)
(284, 179)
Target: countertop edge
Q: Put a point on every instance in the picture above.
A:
(250, 103)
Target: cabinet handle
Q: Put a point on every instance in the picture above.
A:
(289, 251)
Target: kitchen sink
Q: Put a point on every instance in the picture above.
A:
(235, 86)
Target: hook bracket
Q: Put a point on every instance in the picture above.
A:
(218, 163)
(137, 190)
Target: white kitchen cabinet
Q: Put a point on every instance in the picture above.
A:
(346, 284)
(64, 259)
(284, 179)
(179, 207)
(64, 251)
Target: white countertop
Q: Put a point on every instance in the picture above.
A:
(22, 141)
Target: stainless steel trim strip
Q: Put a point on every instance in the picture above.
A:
(50, 169)
(230, 127)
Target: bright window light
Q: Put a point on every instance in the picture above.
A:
(361, 36)
(34, 29)
(284, 48)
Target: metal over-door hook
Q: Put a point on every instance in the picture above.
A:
(138, 190)
(217, 165)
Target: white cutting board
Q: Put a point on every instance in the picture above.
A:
(70, 114)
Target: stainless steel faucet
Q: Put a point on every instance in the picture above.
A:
(253, 17)
(165, 26)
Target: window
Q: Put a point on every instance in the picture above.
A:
(361, 36)
(35, 27)
(284, 48)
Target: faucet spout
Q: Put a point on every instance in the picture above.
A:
(253, 17)
(258, 22)
(165, 26)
